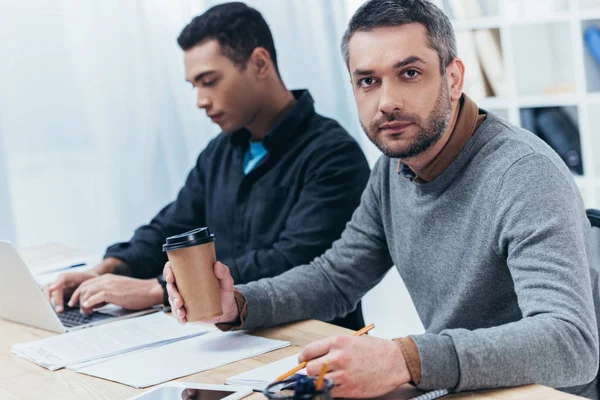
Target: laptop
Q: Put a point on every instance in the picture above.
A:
(22, 300)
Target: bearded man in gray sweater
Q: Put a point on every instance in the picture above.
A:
(482, 220)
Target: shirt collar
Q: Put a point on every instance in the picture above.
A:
(286, 128)
(467, 122)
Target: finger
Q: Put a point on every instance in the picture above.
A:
(181, 314)
(46, 292)
(316, 349)
(87, 291)
(94, 300)
(57, 296)
(168, 273)
(339, 389)
(224, 276)
(60, 282)
(174, 296)
(313, 367)
(90, 311)
(80, 290)
(185, 395)
(74, 300)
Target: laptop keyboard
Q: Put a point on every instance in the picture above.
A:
(71, 317)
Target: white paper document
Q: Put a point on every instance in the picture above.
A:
(106, 340)
(259, 378)
(160, 364)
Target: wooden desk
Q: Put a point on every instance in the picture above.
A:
(21, 379)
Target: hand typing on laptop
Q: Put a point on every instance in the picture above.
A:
(99, 286)
(129, 293)
(64, 286)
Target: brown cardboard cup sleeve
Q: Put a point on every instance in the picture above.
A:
(192, 256)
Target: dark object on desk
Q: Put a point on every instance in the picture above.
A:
(299, 387)
(557, 129)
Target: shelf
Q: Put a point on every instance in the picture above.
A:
(498, 22)
(559, 100)
(589, 14)
(478, 23)
(543, 60)
(593, 98)
(563, 16)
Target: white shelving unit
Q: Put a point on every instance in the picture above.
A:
(546, 64)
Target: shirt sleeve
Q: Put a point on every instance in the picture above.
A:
(332, 284)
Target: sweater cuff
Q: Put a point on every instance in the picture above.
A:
(439, 362)
(123, 253)
(242, 306)
(412, 357)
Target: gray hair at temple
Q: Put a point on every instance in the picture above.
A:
(388, 13)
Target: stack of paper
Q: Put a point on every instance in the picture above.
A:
(107, 340)
(160, 364)
(259, 378)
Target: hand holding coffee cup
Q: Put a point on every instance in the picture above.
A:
(199, 288)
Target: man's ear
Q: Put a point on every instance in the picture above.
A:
(455, 71)
(260, 60)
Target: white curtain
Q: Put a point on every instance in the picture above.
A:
(100, 128)
(7, 231)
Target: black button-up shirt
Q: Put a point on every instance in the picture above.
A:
(288, 210)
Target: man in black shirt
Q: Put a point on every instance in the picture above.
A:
(276, 188)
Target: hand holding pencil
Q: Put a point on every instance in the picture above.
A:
(302, 365)
(351, 362)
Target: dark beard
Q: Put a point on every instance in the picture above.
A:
(427, 135)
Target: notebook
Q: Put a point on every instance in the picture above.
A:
(259, 378)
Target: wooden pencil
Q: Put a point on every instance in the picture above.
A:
(303, 364)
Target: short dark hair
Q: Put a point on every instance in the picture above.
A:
(386, 13)
(239, 29)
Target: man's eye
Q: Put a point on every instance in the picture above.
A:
(366, 82)
(209, 83)
(411, 74)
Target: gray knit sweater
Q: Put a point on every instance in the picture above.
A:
(493, 253)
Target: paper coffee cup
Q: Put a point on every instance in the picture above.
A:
(192, 256)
